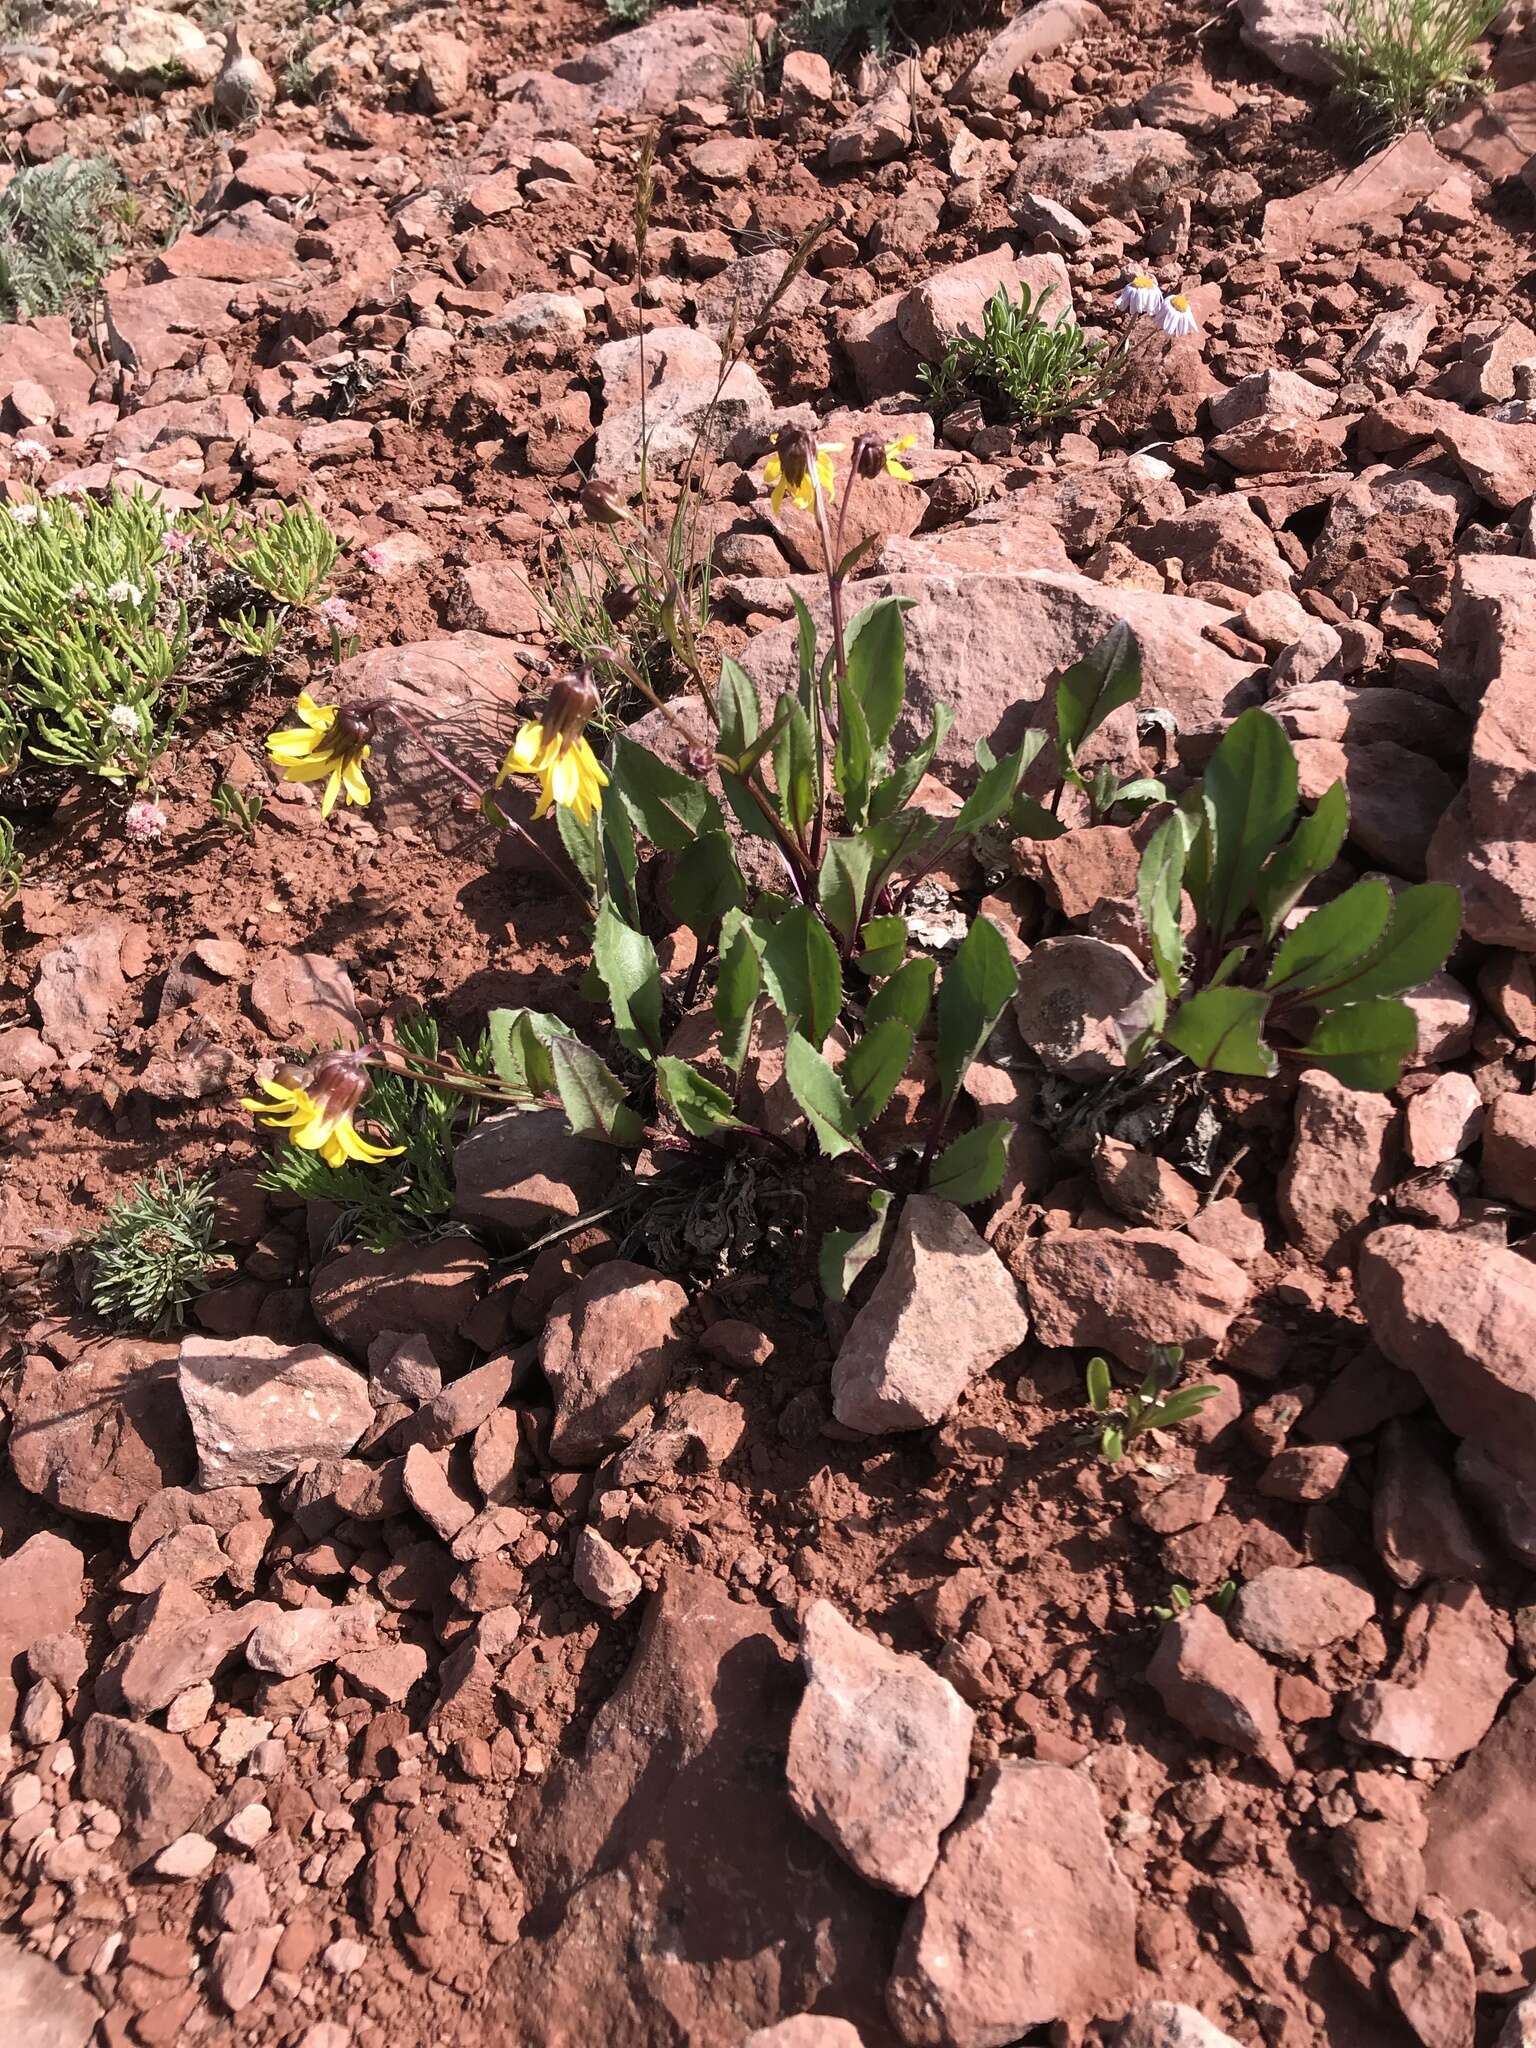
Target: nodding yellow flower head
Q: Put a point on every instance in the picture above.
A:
(799, 467)
(874, 457)
(555, 749)
(329, 746)
(324, 1125)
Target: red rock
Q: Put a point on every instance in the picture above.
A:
(738, 1345)
(221, 256)
(384, 1676)
(1292, 1613)
(1420, 1528)
(42, 2006)
(304, 1638)
(524, 1171)
(1125, 1291)
(1443, 1120)
(1025, 1922)
(1080, 1003)
(179, 1644)
(305, 999)
(806, 2029)
(1143, 1188)
(1036, 32)
(1509, 1150)
(79, 984)
(103, 1436)
(1110, 167)
(1305, 1472)
(147, 1777)
(1451, 1675)
(1397, 798)
(1161, 2025)
(608, 1350)
(602, 1575)
(1218, 540)
(1218, 1688)
(259, 1409)
(424, 1289)
(1506, 1499)
(1382, 524)
(949, 302)
(464, 1405)
(42, 1590)
(1434, 1984)
(670, 1813)
(1383, 1868)
(1519, 2029)
(1497, 457)
(1460, 1315)
(943, 1310)
(1334, 213)
(1481, 1851)
(432, 1493)
(238, 1965)
(879, 1752)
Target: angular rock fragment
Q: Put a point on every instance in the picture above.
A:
(1219, 1688)
(1124, 1291)
(1450, 1678)
(259, 1409)
(608, 1350)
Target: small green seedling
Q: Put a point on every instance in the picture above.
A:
(1180, 1600)
(1148, 1409)
(236, 811)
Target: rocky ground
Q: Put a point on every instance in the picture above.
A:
(431, 1647)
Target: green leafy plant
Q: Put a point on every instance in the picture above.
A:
(1180, 1600)
(155, 1252)
(1144, 1410)
(11, 865)
(1410, 62)
(630, 13)
(1248, 985)
(835, 27)
(410, 1196)
(621, 585)
(106, 618)
(1030, 368)
(56, 234)
(237, 811)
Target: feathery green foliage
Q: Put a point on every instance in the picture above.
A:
(1035, 370)
(155, 1251)
(1410, 62)
(56, 235)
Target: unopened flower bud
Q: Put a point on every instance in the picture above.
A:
(353, 729)
(338, 1082)
(699, 760)
(797, 451)
(603, 505)
(619, 602)
(869, 456)
(574, 699)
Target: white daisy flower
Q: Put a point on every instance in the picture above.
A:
(1178, 316)
(1142, 295)
(124, 592)
(125, 718)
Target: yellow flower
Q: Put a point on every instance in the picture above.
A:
(330, 746)
(313, 1128)
(799, 468)
(894, 450)
(569, 772)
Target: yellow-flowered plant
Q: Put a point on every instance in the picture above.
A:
(567, 771)
(327, 745)
(800, 473)
(315, 1126)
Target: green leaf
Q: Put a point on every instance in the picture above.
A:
(882, 946)
(794, 771)
(852, 756)
(1100, 1385)
(872, 1069)
(1108, 676)
(705, 883)
(700, 1107)
(906, 995)
(806, 647)
(1309, 852)
(584, 846)
(620, 856)
(1326, 945)
(1365, 1044)
(740, 713)
(876, 644)
(1112, 1444)
(1425, 924)
(749, 757)
(895, 792)
(843, 886)
(1160, 892)
(1177, 1408)
(592, 1095)
(520, 1042)
(627, 962)
(1251, 784)
(1028, 819)
(978, 982)
(995, 787)
(819, 1092)
(845, 1253)
(1219, 1030)
(738, 979)
(972, 1167)
(668, 807)
(800, 966)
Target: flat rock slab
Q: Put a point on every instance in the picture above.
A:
(1450, 1678)
(608, 1350)
(147, 1776)
(879, 1752)
(40, 2006)
(1333, 215)
(104, 1436)
(260, 1409)
(1025, 1922)
(1481, 1851)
